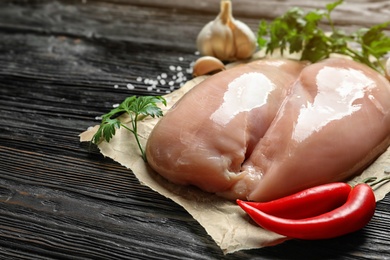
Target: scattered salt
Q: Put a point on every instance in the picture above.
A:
(175, 76)
(116, 86)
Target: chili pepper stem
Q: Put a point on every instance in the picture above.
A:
(369, 179)
(380, 181)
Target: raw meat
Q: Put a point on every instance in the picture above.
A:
(273, 127)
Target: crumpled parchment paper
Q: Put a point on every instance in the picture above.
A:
(223, 220)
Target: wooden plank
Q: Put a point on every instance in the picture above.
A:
(59, 64)
(358, 12)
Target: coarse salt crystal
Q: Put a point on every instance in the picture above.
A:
(115, 105)
(139, 79)
(172, 68)
(130, 86)
(116, 86)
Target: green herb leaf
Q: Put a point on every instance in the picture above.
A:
(375, 42)
(331, 6)
(106, 130)
(137, 108)
(297, 31)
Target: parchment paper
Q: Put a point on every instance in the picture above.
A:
(223, 220)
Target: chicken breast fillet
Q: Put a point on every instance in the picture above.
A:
(273, 127)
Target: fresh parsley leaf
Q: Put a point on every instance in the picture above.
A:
(297, 31)
(331, 6)
(106, 130)
(374, 41)
(137, 108)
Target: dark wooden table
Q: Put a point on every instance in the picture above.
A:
(62, 64)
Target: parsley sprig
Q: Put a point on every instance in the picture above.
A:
(137, 108)
(297, 31)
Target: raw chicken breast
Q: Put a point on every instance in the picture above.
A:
(204, 139)
(274, 127)
(332, 125)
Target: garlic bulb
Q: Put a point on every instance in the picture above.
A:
(387, 69)
(226, 38)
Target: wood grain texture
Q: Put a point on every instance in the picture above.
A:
(63, 63)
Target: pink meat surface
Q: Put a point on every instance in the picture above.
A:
(273, 127)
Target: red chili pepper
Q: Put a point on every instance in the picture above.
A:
(353, 215)
(307, 203)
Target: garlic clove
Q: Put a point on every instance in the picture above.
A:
(245, 40)
(203, 42)
(222, 41)
(207, 65)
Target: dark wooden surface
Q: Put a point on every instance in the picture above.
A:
(63, 63)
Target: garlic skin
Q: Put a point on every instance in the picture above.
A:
(226, 38)
(387, 69)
